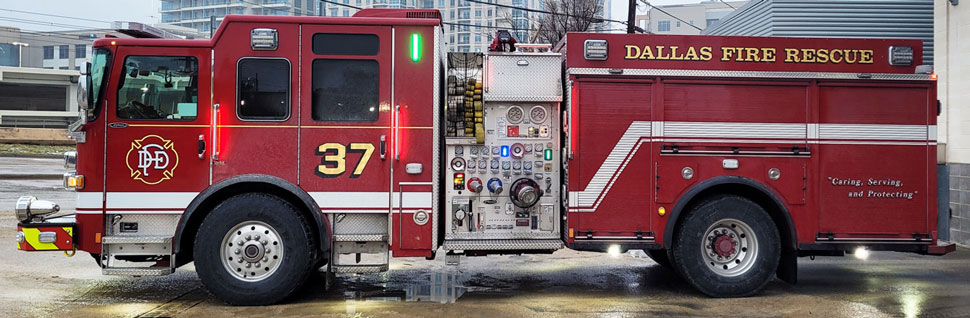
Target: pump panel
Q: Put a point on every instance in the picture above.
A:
(503, 151)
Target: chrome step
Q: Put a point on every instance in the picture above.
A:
(137, 271)
(360, 268)
(160, 239)
(503, 245)
(360, 237)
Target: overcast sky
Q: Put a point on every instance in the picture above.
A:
(145, 11)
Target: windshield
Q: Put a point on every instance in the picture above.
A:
(100, 63)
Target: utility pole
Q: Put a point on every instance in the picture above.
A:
(631, 17)
(20, 52)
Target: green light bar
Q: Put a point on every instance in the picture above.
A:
(415, 47)
(548, 154)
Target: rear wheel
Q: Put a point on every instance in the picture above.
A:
(727, 246)
(253, 249)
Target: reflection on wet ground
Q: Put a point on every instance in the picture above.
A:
(563, 284)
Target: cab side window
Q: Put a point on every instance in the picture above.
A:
(159, 88)
(345, 90)
(263, 88)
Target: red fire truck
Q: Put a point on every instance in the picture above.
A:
(286, 144)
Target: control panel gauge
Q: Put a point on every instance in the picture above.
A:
(537, 114)
(482, 164)
(459, 150)
(473, 150)
(484, 150)
(458, 164)
(517, 150)
(514, 114)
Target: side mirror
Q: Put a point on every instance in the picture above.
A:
(86, 69)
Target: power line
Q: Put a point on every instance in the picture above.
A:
(342, 4)
(45, 23)
(55, 15)
(728, 4)
(541, 11)
(664, 12)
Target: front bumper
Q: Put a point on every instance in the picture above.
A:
(56, 234)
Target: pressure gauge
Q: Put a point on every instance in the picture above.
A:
(473, 150)
(484, 151)
(514, 114)
(471, 164)
(538, 114)
(458, 164)
(459, 150)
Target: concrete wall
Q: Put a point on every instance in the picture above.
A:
(952, 33)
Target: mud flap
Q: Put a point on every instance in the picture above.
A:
(788, 266)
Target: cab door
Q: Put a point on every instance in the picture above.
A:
(157, 129)
(345, 119)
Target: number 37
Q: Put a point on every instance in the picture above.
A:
(334, 161)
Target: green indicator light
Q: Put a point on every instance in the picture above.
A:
(548, 154)
(415, 47)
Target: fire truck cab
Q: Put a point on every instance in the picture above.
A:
(285, 144)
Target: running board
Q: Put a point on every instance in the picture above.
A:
(137, 271)
(492, 245)
(360, 237)
(360, 269)
(136, 239)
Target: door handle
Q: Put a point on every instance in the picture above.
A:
(201, 146)
(383, 147)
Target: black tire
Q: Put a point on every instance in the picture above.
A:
(660, 256)
(287, 276)
(717, 216)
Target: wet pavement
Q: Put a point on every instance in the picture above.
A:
(563, 284)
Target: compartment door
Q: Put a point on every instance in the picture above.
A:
(875, 161)
(611, 174)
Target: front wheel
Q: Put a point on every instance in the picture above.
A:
(727, 246)
(253, 249)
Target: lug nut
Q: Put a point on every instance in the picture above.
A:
(267, 251)
(249, 237)
(256, 237)
(257, 264)
(236, 251)
(263, 242)
(248, 265)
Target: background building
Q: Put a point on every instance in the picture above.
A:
(39, 71)
(873, 19)
(197, 14)
(953, 69)
(700, 15)
(469, 26)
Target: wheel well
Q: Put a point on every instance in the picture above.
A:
(190, 226)
(779, 215)
(757, 193)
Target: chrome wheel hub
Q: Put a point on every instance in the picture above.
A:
(729, 247)
(252, 251)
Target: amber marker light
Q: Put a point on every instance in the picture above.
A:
(661, 211)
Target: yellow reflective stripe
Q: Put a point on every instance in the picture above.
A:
(69, 230)
(32, 236)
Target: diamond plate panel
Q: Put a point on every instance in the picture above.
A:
(148, 224)
(360, 223)
(359, 269)
(500, 236)
(504, 245)
(435, 167)
(523, 76)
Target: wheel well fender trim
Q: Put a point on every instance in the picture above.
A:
(700, 188)
(225, 188)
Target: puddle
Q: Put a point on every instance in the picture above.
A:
(441, 287)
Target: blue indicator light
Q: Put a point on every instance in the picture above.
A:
(505, 151)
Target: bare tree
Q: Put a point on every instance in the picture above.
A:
(567, 16)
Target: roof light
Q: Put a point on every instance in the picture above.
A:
(264, 39)
(595, 50)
